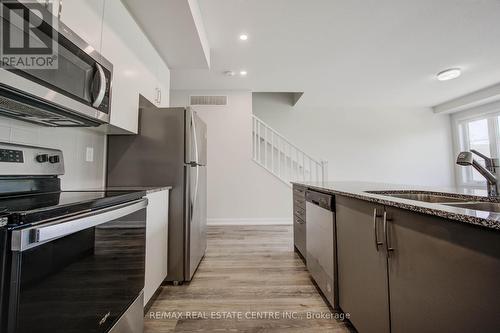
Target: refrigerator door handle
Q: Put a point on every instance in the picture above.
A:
(194, 137)
(195, 191)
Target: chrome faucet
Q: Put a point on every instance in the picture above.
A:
(490, 172)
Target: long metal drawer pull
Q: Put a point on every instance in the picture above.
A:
(27, 238)
(375, 233)
(388, 248)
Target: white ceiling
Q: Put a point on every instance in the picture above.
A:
(352, 53)
(176, 30)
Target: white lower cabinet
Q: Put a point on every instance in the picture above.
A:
(156, 242)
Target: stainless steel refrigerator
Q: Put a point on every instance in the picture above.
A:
(170, 149)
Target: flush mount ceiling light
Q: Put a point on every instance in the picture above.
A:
(243, 37)
(449, 74)
(243, 73)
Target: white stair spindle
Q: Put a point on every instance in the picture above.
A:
(292, 163)
(310, 170)
(279, 156)
(272, 152)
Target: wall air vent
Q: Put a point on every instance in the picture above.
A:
(208, 100)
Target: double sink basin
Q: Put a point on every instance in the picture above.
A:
(444, 199)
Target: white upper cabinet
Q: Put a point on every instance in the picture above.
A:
(84, 17)
(163, 77)
(135, 65)
(53, 6)
(120, 36)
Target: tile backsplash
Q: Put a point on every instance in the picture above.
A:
(83, 149)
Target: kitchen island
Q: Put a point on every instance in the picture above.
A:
(405, 265)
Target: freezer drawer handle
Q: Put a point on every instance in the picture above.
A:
(28, 238)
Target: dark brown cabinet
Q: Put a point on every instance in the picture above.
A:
(299, 219)
(443, 275)
(362, 265)
(401, 271)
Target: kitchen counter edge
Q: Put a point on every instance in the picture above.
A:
(357, 190)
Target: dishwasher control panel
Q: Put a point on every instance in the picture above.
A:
(320, 199)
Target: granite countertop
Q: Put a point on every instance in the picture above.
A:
(358, 190)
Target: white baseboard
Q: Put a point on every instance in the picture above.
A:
(249, 221)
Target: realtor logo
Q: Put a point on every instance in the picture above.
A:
(28, 35)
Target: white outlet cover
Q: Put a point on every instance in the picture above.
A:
(89, 155)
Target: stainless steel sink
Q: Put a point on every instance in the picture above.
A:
(425, 197)
(484, 206)
(444, 199)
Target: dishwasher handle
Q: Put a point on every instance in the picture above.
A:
(320, 199)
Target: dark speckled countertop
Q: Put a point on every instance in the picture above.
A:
(454, 214)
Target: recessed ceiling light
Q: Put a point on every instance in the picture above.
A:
(243, 37)
(243, 73)
(449, 74)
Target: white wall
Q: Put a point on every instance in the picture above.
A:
(239, 191)
(73, 143)
(402, 146)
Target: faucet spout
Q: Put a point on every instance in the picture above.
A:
(490, 178)
(490, 172)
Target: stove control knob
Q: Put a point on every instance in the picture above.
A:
(42, 158)
(54, 159)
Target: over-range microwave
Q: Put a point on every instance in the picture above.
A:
(76, 92)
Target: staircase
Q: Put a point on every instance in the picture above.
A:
(282, 158)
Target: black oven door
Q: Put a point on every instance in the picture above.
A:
(80, 274)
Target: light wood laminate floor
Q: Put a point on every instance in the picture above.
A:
(249, 281)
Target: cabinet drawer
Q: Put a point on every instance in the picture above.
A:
(300, 202)
(299, 212)
(299, 235)
(298, 220)
(299, 192)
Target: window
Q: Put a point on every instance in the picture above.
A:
(482, 134)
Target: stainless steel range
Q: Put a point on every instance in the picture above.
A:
(71, 261)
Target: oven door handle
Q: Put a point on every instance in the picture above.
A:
(35, 236)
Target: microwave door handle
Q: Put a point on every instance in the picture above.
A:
(37, 236)
(102, 86)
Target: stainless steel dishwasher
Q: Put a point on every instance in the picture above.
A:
(320, 243)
